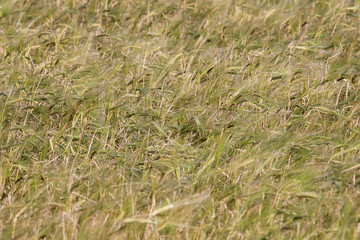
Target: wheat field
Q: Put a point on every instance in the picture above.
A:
(188, 119)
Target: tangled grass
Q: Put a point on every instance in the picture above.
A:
(192, 119)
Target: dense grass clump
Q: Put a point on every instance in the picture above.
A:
(194, 119)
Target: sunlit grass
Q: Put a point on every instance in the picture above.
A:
(179, 119)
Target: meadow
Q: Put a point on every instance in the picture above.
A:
(189, 119)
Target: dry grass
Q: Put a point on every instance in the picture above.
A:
(191, 119)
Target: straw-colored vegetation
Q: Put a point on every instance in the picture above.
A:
(192, 119)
